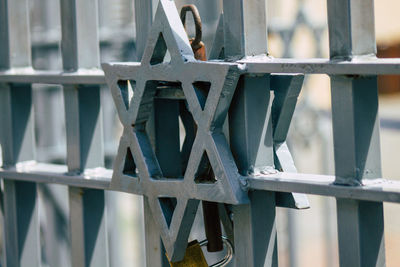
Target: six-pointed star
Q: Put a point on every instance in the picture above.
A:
(167, 33)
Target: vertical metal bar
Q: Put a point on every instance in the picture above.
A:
(144, 10)
(17, 120)
(245, 34)
(20, 203)
(21, 229)
(16, 34)
(255, 231)
(154, 249)
(88, 231)
(4, 36)
(21, 220)
(167, 147)
(252, 147)
(351, 28)
(49, 124)
(80, 38)
(356, 133)
(84, 127)
(361, 234)
(245, 27)
(286, 91)
(80, 49)
(166, 120)
(251, 126)
(55, 220)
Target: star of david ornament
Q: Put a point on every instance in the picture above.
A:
(174, 201)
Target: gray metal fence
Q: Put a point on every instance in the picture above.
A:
(235, 108)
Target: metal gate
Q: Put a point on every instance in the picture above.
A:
(236, 110)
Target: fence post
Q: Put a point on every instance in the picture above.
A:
(20, 202)
(356, 133)
(83, 116)
(144, 12)
(245, 34)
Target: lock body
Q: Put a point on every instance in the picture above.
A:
(194, 257)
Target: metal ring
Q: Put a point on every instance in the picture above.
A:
(197, 22)
(229, 252)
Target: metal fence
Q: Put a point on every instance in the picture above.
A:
(235, 108)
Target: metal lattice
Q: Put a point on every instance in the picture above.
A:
(240, 124)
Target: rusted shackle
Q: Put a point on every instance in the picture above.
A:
(198, 47)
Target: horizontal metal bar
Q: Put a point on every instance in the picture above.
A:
(380, 190)
(29, 75)
(357, 66)
(97, 178)
(258, 64)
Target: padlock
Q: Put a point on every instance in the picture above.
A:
(194, 256)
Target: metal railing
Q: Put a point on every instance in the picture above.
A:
(255, 172)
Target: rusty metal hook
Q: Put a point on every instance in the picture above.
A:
(197, 22)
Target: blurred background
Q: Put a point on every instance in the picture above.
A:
(297, 28)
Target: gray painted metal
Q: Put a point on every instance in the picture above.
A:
(98, 178)
(4, 36)
(356, 133)
(19, 199)
(251, 134)
(378, 190)
(28, 75)
(255, 231)
(260, 106)
(251, 141)
(355, 129)
(80, 40)
(83, 116)
(216, 51)
(258, 64)
(364, 65)
(286, 91)
(154, 248)
(361, 235)
(155, 252)
(351, 28)
(21, 224)
(357, 65)
(144, 11)
(241, 37)
(16, 34)
(375, 190)
(184, 69)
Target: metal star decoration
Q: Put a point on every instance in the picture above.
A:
(136, 169)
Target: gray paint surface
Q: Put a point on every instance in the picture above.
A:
(252, 162)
